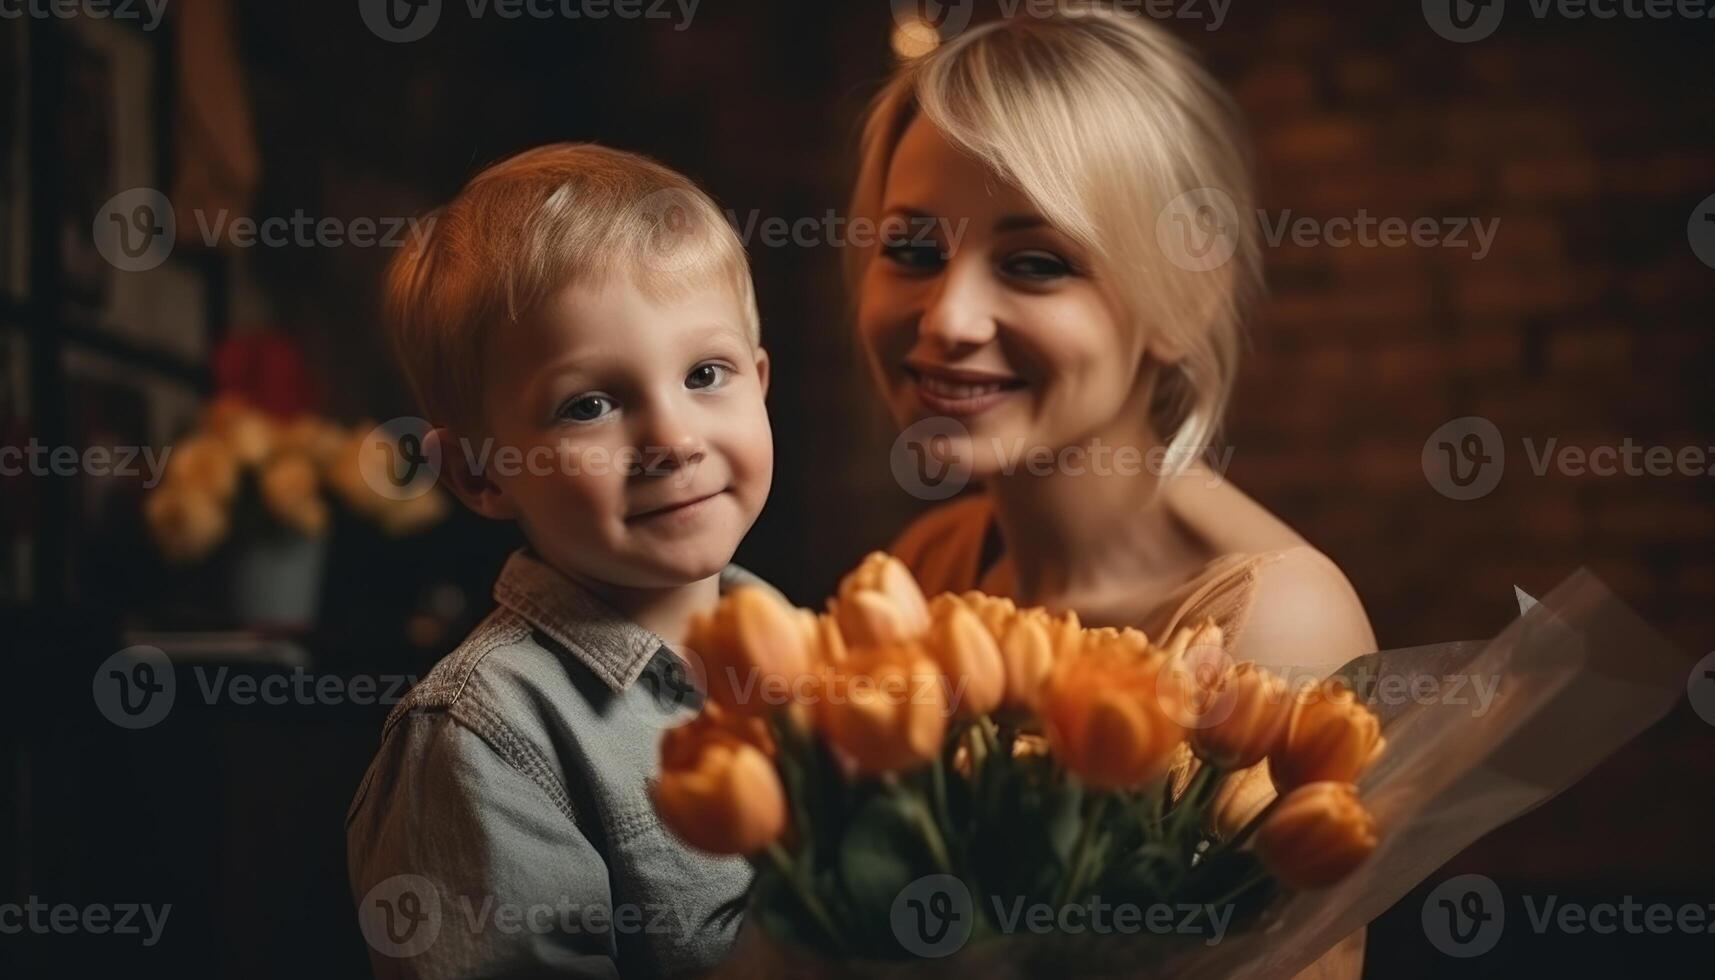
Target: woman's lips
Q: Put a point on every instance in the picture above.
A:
(947, 396)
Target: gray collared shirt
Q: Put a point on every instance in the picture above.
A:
(504, 828)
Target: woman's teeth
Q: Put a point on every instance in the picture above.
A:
(942, 388)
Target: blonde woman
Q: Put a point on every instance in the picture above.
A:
(1032, 306)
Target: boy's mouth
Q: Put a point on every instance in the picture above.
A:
(679, 506)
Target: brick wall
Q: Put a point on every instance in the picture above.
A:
(1588, 322)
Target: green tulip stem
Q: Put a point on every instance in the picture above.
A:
(1244, 886)
(1192, 800)
(926, 822)
(1081, 851)
(791, 742)
(938, 785)
(784, 864)
(1000, 743)
(978, 746)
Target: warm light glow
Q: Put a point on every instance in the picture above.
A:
(914, 39)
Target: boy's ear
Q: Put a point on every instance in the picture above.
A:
(762, 369)
(474, 487)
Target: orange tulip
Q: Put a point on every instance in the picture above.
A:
(1244, 720)
(291, 490)
(1195, 664)
(185, 522)
(1329, 737)
(995, 611)
(1238, 798)
(753, 650)
(203, 463)
(968, 656)
(1105, 719)
(1120, 641)
(884, 709)
(1180, 770)
(680, 744)
(720, 794)
(314, 436)
(1067, 634)
(246, 429)
(821, 637)
(879, 602)
(1027, 657)
(1316, 835)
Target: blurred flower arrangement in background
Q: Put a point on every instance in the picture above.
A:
(293, 469)
(258, 448)
(248, 497)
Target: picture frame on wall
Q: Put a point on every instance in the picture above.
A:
(113, 128)
(130, 418)
(88, 138)
(18, 487)
(14, 159)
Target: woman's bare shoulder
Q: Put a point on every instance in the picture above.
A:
(1305, 617)
(1304, 614)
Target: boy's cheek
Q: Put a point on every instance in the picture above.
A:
(565, 496)
(754, 468)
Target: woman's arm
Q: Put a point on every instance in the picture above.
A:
(1344, 962)
(1307, 621)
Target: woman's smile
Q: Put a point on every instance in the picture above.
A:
(959, 392)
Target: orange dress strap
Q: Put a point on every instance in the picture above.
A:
(941, 547)
(944, 546)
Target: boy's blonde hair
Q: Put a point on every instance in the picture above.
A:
(527, 227)
(1102, 120)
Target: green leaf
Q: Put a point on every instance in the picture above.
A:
(778, 910)
(1142, 876)
(881, 854)
(1063, 818)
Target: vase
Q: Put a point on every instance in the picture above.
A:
(277, 580)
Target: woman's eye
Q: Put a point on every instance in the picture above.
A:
(585, 408)
(913, 255)
(707, 376)
(1036, 264)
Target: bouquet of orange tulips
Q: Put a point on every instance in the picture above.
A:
(914, 777)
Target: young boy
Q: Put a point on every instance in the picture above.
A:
(580, 327)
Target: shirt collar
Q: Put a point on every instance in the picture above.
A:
(600, 637)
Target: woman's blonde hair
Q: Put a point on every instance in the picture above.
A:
(1116, 134)
(530, 225)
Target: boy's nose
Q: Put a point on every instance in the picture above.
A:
(687, 451)
(670, 444)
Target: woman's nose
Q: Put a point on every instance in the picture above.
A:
(960, 309)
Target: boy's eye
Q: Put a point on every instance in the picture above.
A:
(1036, 264)
(913, 255)
(585, 408)
(707, 376)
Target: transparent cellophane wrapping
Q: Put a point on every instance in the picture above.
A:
(1573, 679)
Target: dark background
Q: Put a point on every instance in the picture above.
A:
(1593, 142)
